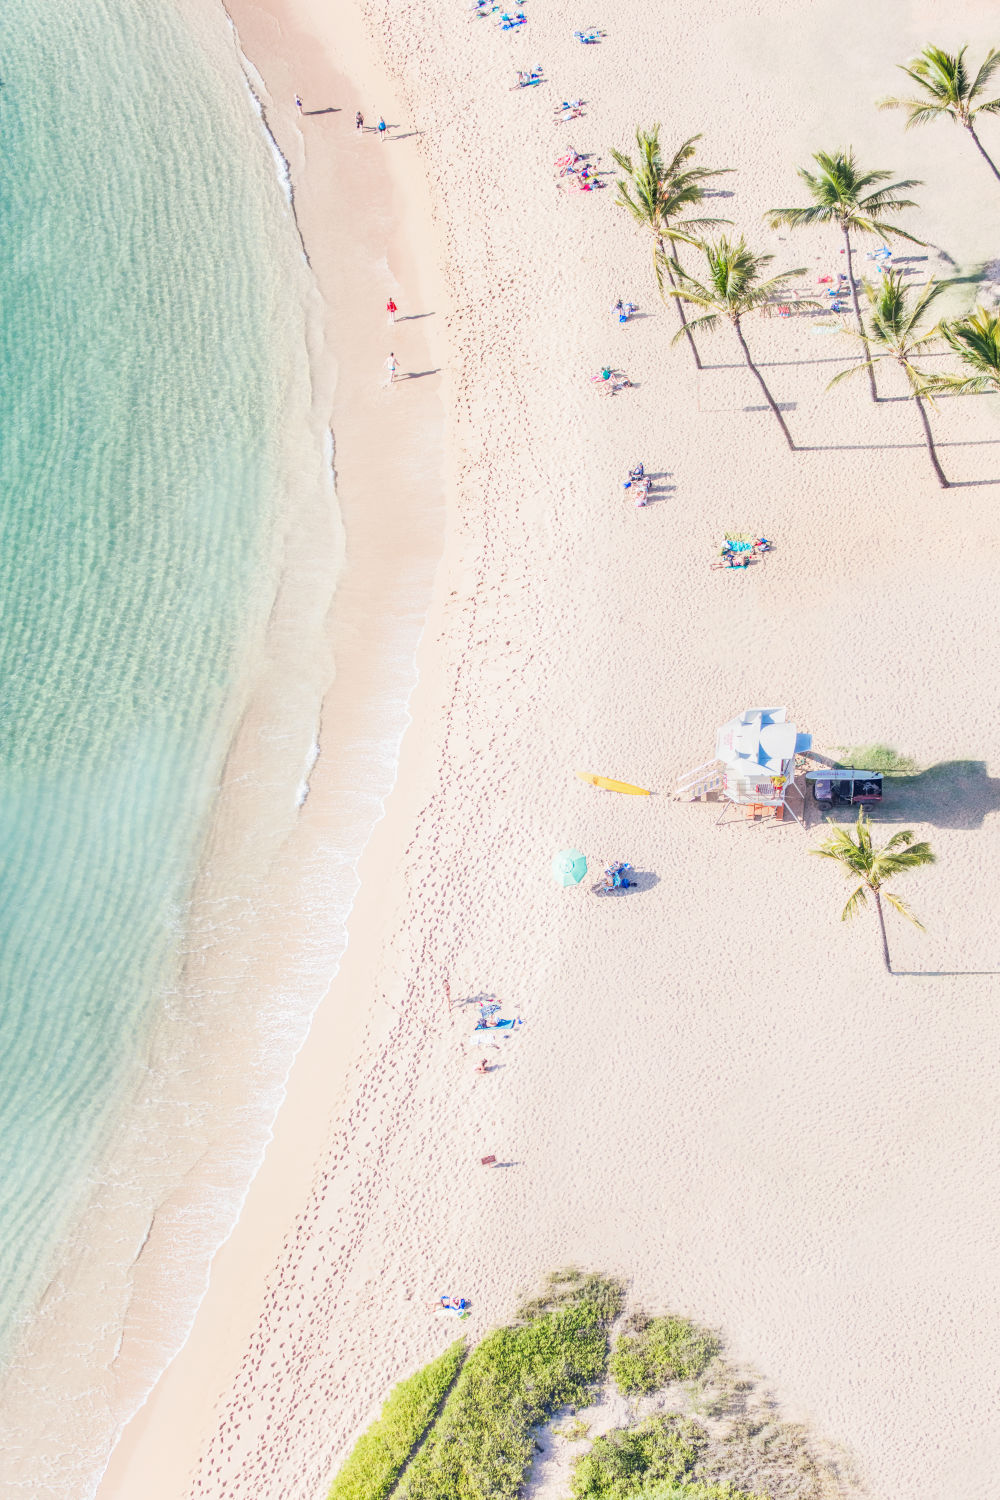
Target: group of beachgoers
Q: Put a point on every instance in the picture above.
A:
(640, 483)
(741, 551)
(576, 174)
(837, 289)
(483, 9)
(382, 131)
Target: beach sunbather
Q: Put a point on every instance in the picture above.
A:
(616, 877)
(451, 1307)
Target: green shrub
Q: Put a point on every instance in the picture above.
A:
(377, 1459)
(482, 1443)
(658, 1350)
(876, 758)
(625, 1461)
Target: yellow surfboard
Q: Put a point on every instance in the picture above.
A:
(613, 786)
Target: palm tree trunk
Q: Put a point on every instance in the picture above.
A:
(857, 310)
(885, 940)
(760, 379)
(988, 160)
(930, 443)
(680, 305)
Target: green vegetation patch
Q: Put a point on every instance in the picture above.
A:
(876, 758)
(626, 1461)
(654, 1351)
(378, 1457)
(482, 1443)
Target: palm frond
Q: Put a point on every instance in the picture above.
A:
(923, 114)
(904, 911)
(682, 227)
(989, 66)
(707, 324)
(961, 385)
(910, 858)
(855, 902)
(854, 369)
(916, 107)
(795, 218)
(886, 192)
(839, 845)
(976, 341)
(889, 231)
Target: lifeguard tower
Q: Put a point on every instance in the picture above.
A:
(754, 766)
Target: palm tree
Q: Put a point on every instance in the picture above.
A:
(897, 313)
(976, 341)
(855, 201)
(872, 867)
(658, 195)
(733, 289)
(946, 89)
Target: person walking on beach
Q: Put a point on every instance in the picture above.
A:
(382, 128)
(298, 103)
(359, 122)
(391, 310)
(392, 367)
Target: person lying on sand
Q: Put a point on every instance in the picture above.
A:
(451, 1307)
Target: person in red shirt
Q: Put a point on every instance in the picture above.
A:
(391, 310)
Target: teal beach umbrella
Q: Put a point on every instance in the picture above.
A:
(569, 867)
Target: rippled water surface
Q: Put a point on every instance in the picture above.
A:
(143, 240)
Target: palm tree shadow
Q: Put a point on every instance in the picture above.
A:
(952, 794)
(943, 973)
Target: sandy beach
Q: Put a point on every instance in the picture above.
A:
(718, 1092)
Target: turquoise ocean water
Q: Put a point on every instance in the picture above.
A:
(144, 255)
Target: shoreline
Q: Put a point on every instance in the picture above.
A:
(370, 615)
